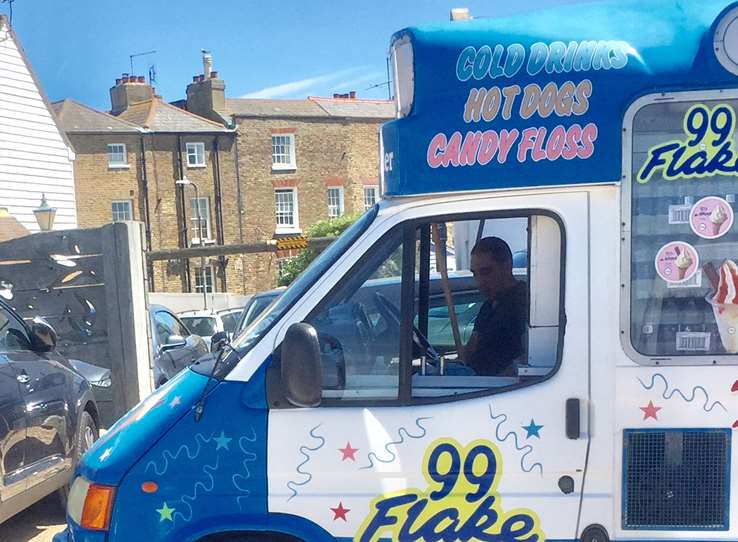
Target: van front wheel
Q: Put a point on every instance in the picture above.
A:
(250, 537)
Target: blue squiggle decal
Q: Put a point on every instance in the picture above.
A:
(518, 447)
(372, 456)
(236, 479)
(208, 470)
(292, 484)
(669, 394)
(168, 456)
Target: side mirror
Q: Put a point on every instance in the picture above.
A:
(173, 342)
(218, 340)
(301, 371)
(43, 335)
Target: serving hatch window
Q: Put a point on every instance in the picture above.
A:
(683, 240)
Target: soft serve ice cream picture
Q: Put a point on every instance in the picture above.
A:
(677, 262)
(724, 301)
(711, 217)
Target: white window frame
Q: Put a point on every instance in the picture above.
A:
(117, 159)
(195, 155)
(205, 275)
(128, 203)
(204, 203)
(283, 160)
(374, 188)
(335, 209)
(626, 340)
(294, 226)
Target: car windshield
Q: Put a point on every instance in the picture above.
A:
(315, 270)
(200, 325)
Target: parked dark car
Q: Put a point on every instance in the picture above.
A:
(48, 415)
(173, 346)
(256, 306)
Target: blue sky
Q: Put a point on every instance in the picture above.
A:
(265, 49)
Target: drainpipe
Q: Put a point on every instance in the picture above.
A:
(184, 274)
(220, 237)
(146, 211)
(239, 198)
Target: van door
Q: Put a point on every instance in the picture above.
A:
(417, 438)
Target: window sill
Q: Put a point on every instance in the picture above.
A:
(119, 166)
(284, 167)
(196, 242)
(292, 231)
(196, 166)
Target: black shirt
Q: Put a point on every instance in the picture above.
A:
(500, 328)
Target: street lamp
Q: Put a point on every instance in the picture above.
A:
(45, 215)
(186, 182)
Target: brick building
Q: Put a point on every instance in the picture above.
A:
(272, 168)
(127, 169)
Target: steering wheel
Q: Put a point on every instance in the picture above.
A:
(392, 314)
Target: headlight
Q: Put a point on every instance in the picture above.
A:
(401, 54)
(90, 505)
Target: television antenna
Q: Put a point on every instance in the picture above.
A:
(131, 57)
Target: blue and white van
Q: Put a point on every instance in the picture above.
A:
(600, 141)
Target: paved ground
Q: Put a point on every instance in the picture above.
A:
(36, 524)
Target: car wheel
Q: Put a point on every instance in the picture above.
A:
(87, 434)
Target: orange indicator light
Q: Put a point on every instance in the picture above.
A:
(98, 508)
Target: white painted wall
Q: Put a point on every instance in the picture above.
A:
(34, 157)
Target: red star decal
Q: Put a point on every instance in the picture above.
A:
(650, 411)
(340, 512)
(348, 452)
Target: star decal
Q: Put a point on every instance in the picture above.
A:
(348, 452)
(165, 513)
(650, 411)
(340, 512)
(175, 402)
(106, 454)
(222, 441)
(532, 429)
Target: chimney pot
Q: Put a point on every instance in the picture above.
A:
(352, 94)
(117, 82)
(141, 79)
(200, 78)
(194, 78)
(335, 94)
(213, 75)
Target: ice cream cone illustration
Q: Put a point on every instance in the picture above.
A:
(717, 219)
(724, 303)
(683, 261)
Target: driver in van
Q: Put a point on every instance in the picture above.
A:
(497, 339)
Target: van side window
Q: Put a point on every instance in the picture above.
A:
(359, 331)
(681, 242)
(473, 328)
(473, 285)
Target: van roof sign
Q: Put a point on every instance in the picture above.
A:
(538, 99)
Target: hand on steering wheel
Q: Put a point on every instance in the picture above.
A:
(392, 314)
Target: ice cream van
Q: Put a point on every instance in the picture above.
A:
(599, 142)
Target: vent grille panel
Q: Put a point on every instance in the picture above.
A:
(676, 479)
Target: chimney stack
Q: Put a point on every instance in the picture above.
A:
(206, 93)
(129, 89)
(207, 63)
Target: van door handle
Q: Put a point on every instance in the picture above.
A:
(572, 419)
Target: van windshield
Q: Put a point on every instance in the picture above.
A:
(302, 284)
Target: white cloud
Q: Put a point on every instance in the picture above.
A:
(300, 85)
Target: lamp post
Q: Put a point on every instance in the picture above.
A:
(45, 215)
(186, 182)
